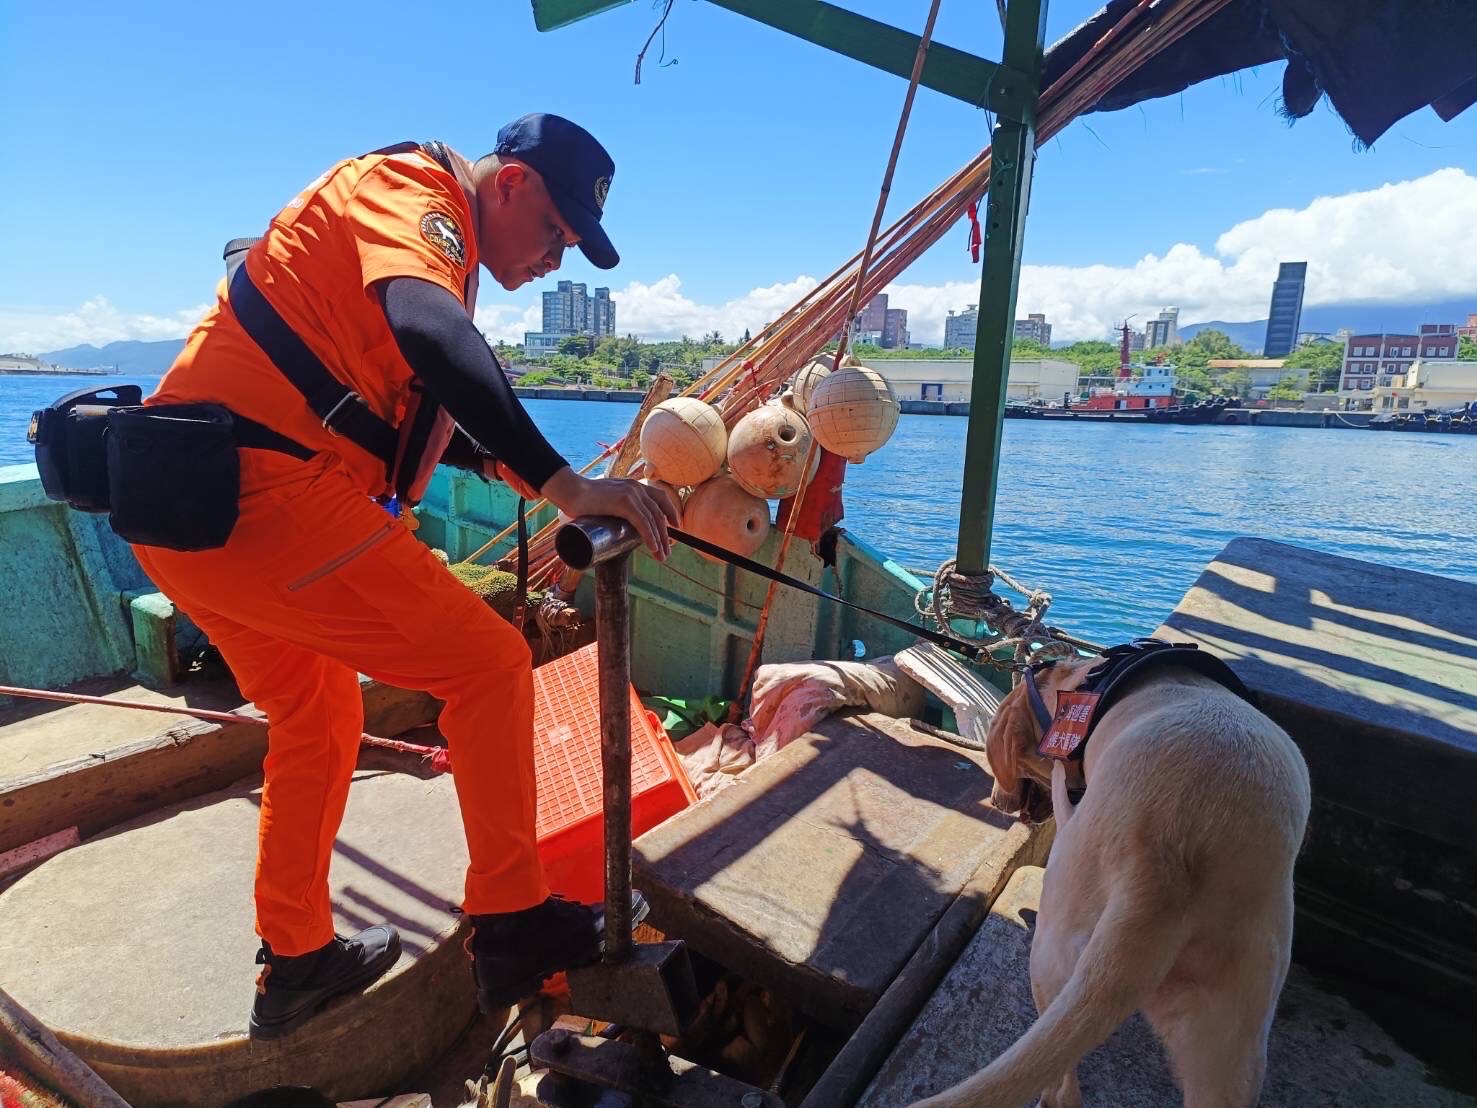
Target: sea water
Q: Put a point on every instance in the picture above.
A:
(1115, 520)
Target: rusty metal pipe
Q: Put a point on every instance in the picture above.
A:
(590, 540)
(613, 636)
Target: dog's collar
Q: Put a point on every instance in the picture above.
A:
(1064, 736)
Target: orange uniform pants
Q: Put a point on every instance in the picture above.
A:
(316, 585)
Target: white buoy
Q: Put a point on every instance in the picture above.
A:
(721, 511)
(852, 412)
(672, 490)
(683, 441)
(767, 451)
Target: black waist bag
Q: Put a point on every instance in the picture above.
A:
(174, 477)
(70, 436)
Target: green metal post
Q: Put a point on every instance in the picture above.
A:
(1004, 217)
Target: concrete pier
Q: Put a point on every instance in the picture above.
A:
(1290, 417)
(618, 396)
(1253, 417)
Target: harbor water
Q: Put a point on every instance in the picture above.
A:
(1115, 521)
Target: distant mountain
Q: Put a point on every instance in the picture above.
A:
(139, 359)
(1359, 318)
(1248, 335)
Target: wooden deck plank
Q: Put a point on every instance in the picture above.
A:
(1372, 670)
(819, 872)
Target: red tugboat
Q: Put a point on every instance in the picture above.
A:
(1148, 398)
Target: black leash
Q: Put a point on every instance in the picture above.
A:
(968, 649)
(520, 602)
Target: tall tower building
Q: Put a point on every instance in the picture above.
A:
(1164, 331)
(567, 310)
(602, 313)
(1286, 311)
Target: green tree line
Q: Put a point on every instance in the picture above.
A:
(620, 361)
(627, 362)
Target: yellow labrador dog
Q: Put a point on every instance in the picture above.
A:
(1169, 887)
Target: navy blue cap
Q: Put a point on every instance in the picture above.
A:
(576, 170)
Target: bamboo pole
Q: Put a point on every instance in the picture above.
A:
(758, 368)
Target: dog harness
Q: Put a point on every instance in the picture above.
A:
(1064, 736)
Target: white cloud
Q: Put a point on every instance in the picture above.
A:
(1394, 244)
(661, 311)
(95, 321)
(1404, 243)
(507, 322)
(1407, 242)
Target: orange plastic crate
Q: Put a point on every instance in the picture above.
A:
(566, 753)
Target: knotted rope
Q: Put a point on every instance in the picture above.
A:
(954, 595)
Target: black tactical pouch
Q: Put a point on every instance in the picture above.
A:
(69, 437)
(174, 476)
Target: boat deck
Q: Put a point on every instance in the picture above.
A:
(822, 869)
(1373, 671)
(157, 1002)
(35, 734)
(1323, 1050)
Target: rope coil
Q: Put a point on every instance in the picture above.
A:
(971, 596)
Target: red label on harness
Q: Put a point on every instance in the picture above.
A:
(1068, 730)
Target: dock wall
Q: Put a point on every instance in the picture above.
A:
(617, 396)
(1256, 417)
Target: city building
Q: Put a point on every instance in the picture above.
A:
(895, 329)
(1164, 331)
(879, 325)
(949, 379)
(1436, 385)
(1136, 342)
(570, 310)
(1034, 328)
(1264, 373)
(1286, 311)
(960, 328)
(1319, 338)
(540, 344)
(1375, 361)
(1439, 340)
(873, 315)
(1470, 330)
(602, 313)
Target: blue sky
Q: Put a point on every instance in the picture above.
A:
(140, 138)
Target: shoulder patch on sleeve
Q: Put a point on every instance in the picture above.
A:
(442, 232)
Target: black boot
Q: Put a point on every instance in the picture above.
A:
(514, 952)
(290, 990)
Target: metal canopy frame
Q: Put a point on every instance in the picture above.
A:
(1010, 89)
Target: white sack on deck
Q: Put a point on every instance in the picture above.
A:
(789, 699)
(792, 697)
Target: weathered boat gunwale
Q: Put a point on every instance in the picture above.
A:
(95, 792)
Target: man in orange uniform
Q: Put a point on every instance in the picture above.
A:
(370, 274)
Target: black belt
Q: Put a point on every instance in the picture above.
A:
(341, 409)
(248, 432)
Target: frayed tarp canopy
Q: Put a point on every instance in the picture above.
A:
(1376, 60)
